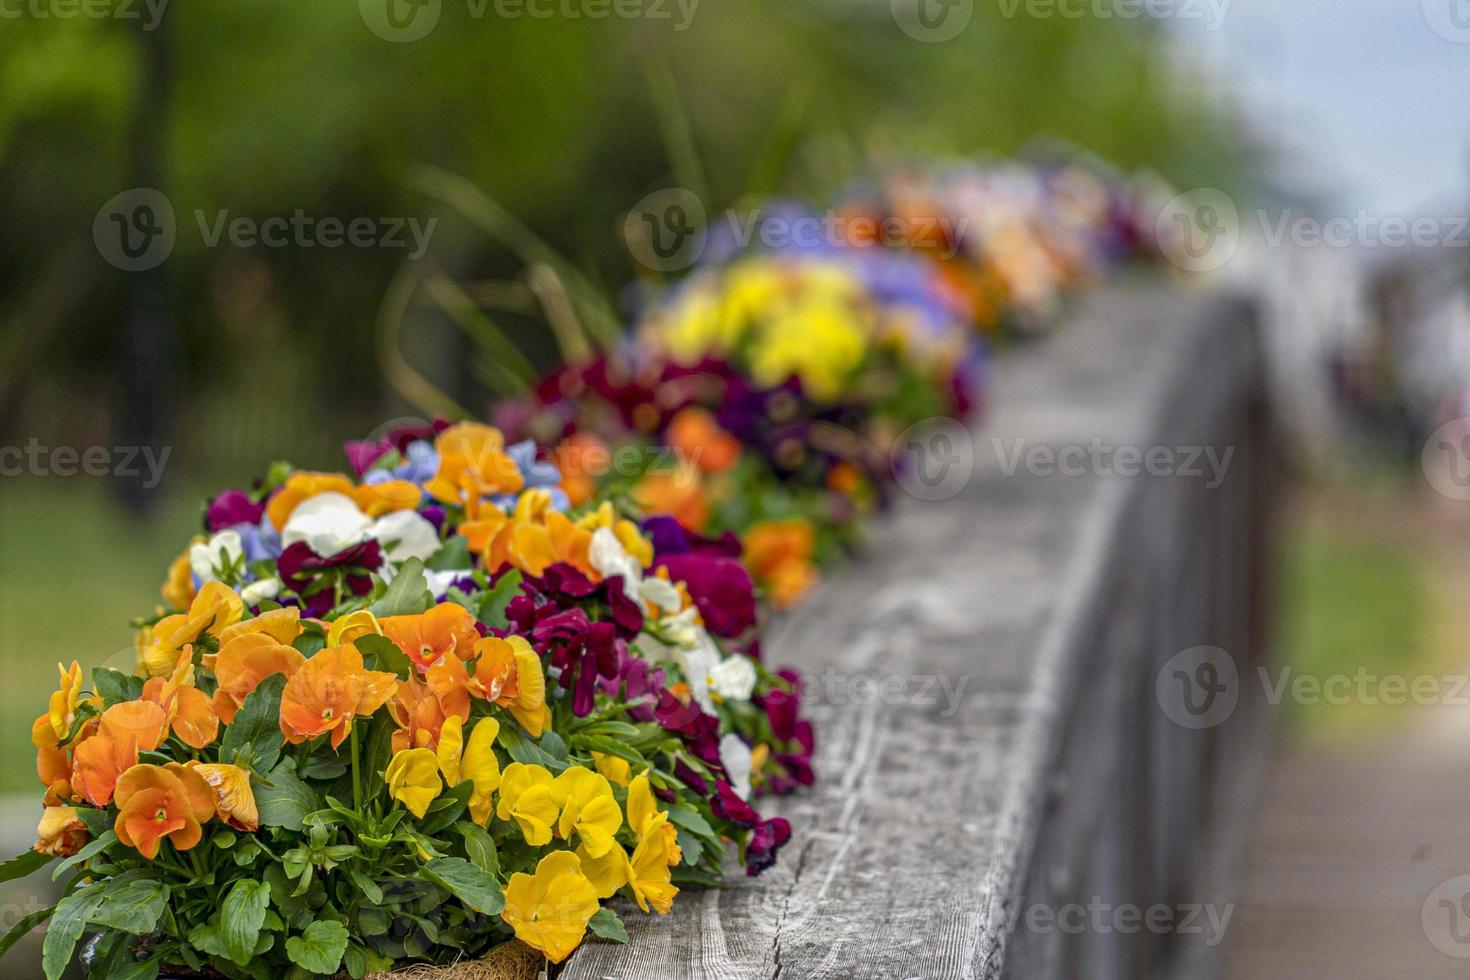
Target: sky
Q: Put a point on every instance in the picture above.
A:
(1369, 99)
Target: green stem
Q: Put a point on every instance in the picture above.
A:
(356, 778)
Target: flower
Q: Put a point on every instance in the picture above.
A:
(61, 832)
(214, 609)
(299, 566)
(428, 638)
(733, 679)
(282, 625)
(211, 559)
(508, 673)
(413, 780)
(245, 661)
(532, 537)
(156, 802)
(699, 440)
(329, 691)
(63, 709)
(332, 523)
(720, 588)
(234, 801)
(352, 626)
(549, 911)
(526, 797)
(101, 759)
(302, 486)
(230, 508)
(678, 493)
(178, 587)
(616, 769)
(186, 709)
(647, 872)
(481, 768)
(472, 464)
(735, 757)
(768, 837)
(779, 554)
(587, 808)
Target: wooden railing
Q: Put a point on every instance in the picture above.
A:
(1027, 765)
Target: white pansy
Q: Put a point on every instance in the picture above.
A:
(329, 523)
(439, 582)
(266, 588)
(733, 678)
(405, 534)
(607, 554)
(205, 560)
(662, 594)
(682, 629)
(735, 756)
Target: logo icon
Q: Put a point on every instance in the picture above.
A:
(1446, 459)
(1446, 917)
(666, 231)
(1450, 19)
(1198, 688)
(1199, 230)
(933, 459)
(932, 21)
(135, 230)
(400, 21)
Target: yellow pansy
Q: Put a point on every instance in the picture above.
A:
(413, 780)
(63, 709)
(451, 746)
(648, 872)
(215, 608)
(526, 797)
(627, 533)
(352, 626)
(550, 910)
(644, 816)
(615, 769)
(482, 768)
(588, 808)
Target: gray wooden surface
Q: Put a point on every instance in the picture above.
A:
(1053, 600)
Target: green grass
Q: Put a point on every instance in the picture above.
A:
(74, 568)
(1351, 603)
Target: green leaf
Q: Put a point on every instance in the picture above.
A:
(97, 821)
(22, 865)
(258, 725)
(472, 886)
(407, 594)
(447, 808)
(137, 969)
(496, 598)
(381, 653)
(25, 925)
(606, 925)
(608, 746)
(241, 915)
(115, 687)
(67, 923)
(366, 885)
(320, 948)
(452, 556)
(527, 752)
(683, 816)
(479, 847)
(324, 766)
(287, 800)
(309, 643)
(132, 907)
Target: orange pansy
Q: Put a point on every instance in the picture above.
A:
(678, 493)
(303, 486)
(420, 714)
(779, 554)
(155, 802)
(427, 638)
(472, 464)
(282, 625)
(186, 709)
(243, 663)
(234, 801)
(534, 537)
(215, 608)
(329, 691)
(700, 442)
(509, 674)
(581, 458)
(377, 499)
(61, 832)
(122, 732)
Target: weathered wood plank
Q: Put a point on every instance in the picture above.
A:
(920, 843)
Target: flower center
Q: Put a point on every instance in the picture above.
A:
(160, 815)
